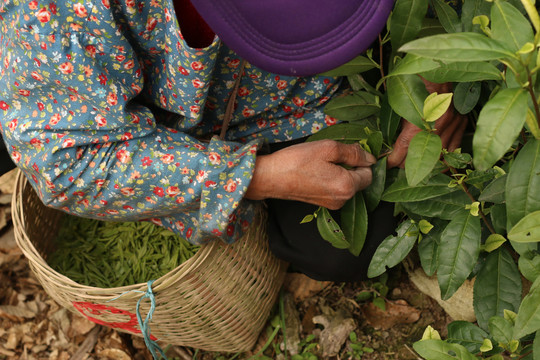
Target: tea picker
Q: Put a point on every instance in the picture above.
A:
(113, 110)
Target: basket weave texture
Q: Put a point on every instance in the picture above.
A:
(218, 300)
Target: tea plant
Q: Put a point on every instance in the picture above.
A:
(473, 212)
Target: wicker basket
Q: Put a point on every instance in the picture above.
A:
(218, 300)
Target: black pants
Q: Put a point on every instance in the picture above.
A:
(309, 253)
(5, 161)
(303, 247)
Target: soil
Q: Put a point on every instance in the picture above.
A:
(320, 318)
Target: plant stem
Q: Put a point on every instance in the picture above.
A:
(267, 344)
(282, 321)
(466, 190)
(381, 63)
(535, 103)
(525, 355)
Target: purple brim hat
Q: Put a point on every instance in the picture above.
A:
(296, 37)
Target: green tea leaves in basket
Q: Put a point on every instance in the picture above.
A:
(112, 254)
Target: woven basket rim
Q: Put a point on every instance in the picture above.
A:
(36, 260)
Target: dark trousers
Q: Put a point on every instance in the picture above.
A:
(302, 246)
(5, 161)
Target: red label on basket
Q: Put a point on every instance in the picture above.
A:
(89, 310)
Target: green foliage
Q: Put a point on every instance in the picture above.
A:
(483, 200)
(111, 254)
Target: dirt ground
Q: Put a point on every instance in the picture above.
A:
(320, 318)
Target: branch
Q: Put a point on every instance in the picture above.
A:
(466, 190)
(535, 103)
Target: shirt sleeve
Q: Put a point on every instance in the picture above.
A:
(72, 122)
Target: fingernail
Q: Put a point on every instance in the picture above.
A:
(370, 158)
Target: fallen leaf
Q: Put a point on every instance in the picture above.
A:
(113, 354)
(337, 328)
(12, 341)
(81, 326)
(307, 321)
(7, 182)
(458, 307)
(15, 313)
(5, 199)
(7, 239)
(303, 287)
(6, 352)
(397, 312)
(292, 325)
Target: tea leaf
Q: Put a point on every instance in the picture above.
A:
(472, 8)
(393, 249)
(347, 132)
(497, 287)
(380, 303)
(443, 207)
(459, 250)
(478, 177)
(447, 16)
(466, 334)
(440, 350)
(354, 223)
(431, 333)
(466, 96)
(428, 248)
(528, 317)
(436, 105)
(457, 160)
(400, 191)
(509, 26)
(353, 107)
(424, 152)
(357, 65)
(330, 230)
(533, 13)
(500, 329)
(406, 21)
(458, 47)
(499, 123)
(463, 72)
(522, 195)
(493, 242)
(373, 193)
(412, 65)
(389, 121)
(486, 346)
(498, 218)
(532, 124)
(406, 94)
(529, 267)
(495, 191)
(527, 229)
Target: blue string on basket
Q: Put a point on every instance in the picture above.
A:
(151, 345)
(144, 325)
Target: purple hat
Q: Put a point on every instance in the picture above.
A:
(296, 37)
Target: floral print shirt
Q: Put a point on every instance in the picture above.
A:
(104, 106)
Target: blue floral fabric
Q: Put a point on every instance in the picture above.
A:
(104, 106)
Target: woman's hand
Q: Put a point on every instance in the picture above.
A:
(450, 127)
(311, 172)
